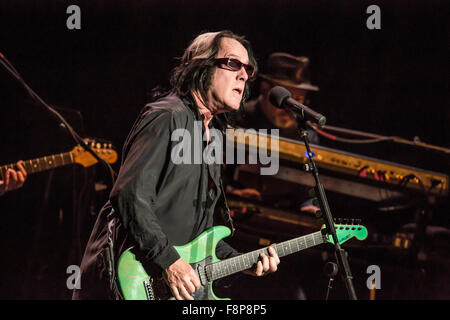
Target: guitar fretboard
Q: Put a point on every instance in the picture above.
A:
(245, 261)
(41, 164)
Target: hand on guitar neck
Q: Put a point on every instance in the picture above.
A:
(199, 256)
(183, 280)
(13, 175)
(266, 264)
(13, 179)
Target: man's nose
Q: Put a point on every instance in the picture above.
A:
(242, 74)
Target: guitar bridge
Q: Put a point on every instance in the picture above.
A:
(202, 274)
(148, 284)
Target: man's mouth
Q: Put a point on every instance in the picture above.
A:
(237, 90)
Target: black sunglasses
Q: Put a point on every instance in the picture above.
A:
(236, 65)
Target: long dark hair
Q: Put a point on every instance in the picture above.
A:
(196, 67)
(194, 73)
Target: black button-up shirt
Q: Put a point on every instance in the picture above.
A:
(160, 203)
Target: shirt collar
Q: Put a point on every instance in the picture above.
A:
(189, 102)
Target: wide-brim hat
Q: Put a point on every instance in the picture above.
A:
(287, 70)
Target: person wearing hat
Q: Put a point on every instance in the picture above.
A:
(290, 72)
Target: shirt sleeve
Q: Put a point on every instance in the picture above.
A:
(134, 192)
(225, 251)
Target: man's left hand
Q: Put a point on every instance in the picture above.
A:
(266, 264)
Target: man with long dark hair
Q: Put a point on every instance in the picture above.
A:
(156, 204)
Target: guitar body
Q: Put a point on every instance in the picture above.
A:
(137, 284)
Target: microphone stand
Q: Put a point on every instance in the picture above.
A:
(340, 254)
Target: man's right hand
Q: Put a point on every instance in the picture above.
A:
(182, 280)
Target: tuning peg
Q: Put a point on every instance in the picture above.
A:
(312, 192)
(318, 214)
(315, 202)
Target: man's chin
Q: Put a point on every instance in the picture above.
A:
(233, 107)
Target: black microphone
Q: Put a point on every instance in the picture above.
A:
(281, 98)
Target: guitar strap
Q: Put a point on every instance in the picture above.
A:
(113, 286)
(226, 209)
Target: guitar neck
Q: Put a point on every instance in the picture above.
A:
(41, 164)
(245, 261)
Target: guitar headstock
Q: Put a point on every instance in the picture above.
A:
(346, 231)
(103, 151)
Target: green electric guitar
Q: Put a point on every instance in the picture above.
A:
(136, 284)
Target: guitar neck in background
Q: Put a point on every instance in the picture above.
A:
(245, 261)
(41, 164)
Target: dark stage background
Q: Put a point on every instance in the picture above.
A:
(392, 81)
